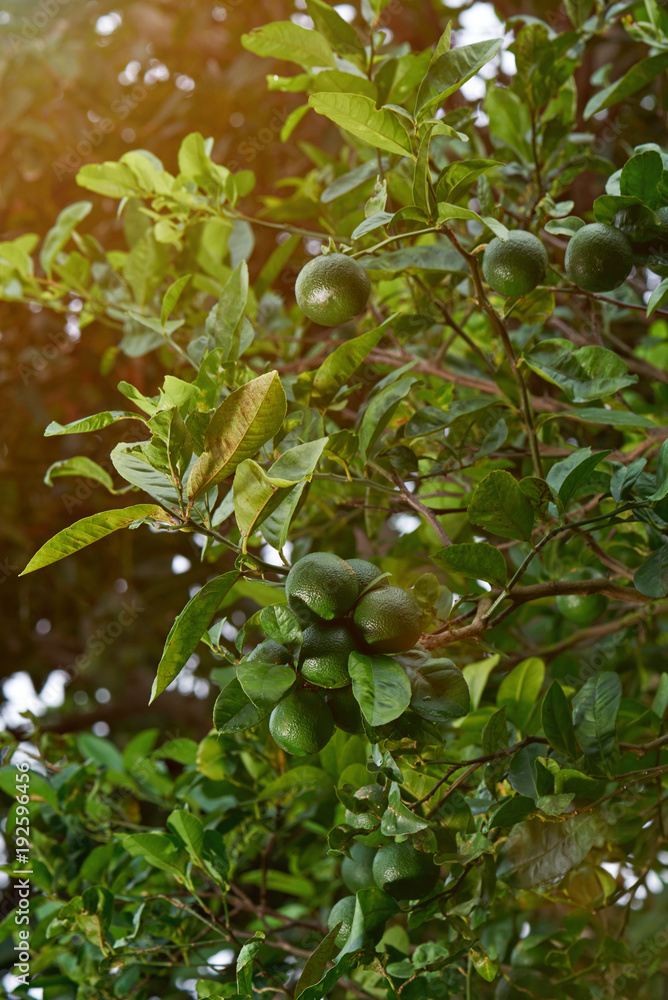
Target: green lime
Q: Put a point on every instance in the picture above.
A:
(301, 723)
(324, 655)
(323, 583)
(366, 573)
(403, 872)
(269, 652)
(389, 619)
(599, 257)
(516, 265)
(357, 870)
(342, 912)
(583, 609)
(343, 706)
(332, 289)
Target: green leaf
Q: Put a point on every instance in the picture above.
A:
(341, 35)
(234, 712)
(157, 850)
(89, 530)
(94, 423)
(60, 232)
(188, 629)
(256, 496)
(450, 71)
(379, 412)
(640, 74)
(331, 977)
(431, 257)
(39, 787)
(172, 296)
(651, 577)
(475, 560)
(519, 690)
(280, 624)
(245, 964)
(509, 121)
(608, 418)
(537, 853)
(511, 811)
(286, 40)
(265, 683)
(316, 963)
(569, 475)
(595, 708)
(190, 831)
(298, 463)
(398, 819)
(133, 464)
(439, 690)
(243, 422)
(584, 374)
(344, 360)
(224, 321)
(557, 721)
(446, 212)
(380, 128)
(522, 771)
(79, 465)
(658, 297)
(114, 180)
(499, 505)
(380, 686)
(564, 227)
(640, 177)
(495, 734)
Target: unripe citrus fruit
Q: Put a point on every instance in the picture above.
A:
(403, 872)
(366, 573)
(269, 652)
(324, 656)
(599, 257)
(301, 723)
(583, 609)
(332, 288)
(389, 620)
(516, 265)
(345, 709)
(343, 911)
(323, 583)
(357, 870)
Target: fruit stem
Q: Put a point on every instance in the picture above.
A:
(393, 239)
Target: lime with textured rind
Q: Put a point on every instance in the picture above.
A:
(403, 872)
(366, 573)
(345, 710)
(301, 723)
(324, 655)
(515, 266)
(269, 652)
(357, 870)
(389, 620)
(323, 583)
(332, 289)
(342, 912)
(599, 257)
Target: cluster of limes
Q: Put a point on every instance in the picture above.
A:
(342, 607)
(599, 257)
(399, 869)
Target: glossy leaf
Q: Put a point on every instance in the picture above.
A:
(89, 530)
(439, 690)
(595, 708)
(380, 128)
(380, 686)
(519, 690)
(583, 374)
(243, 422)
(188, 629)
(475, 560)
(557, 721)
(499, 506)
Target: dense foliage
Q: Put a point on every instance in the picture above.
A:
(503, 459)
